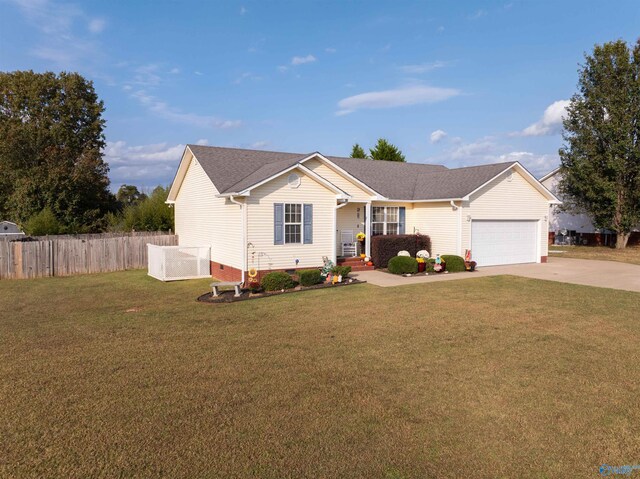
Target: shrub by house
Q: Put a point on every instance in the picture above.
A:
(309, 277)
(385, 247)
(403, 265)
(455, 264)
(276, 280)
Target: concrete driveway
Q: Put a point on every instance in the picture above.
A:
(603, 274)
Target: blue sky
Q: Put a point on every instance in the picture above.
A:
(457, 83)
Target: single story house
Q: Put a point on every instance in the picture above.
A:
(575, 228)
(279, 211)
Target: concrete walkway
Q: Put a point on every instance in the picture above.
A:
(603, 274)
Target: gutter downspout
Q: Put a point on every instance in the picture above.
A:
(245, 246)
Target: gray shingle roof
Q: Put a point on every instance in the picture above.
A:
(232, 170)
(455, 183)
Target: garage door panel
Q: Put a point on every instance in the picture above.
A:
(504, 242)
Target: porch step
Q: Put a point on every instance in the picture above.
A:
(362, 267)
(354, 260)
(356, 263)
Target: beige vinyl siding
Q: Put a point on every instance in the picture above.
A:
(440, 222)
(507, 200)
(202, 219)
(356, 192)
(260, 223)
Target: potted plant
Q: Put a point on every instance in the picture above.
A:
(360, 237)
(469, 265)
(440, 265)
(422, 265)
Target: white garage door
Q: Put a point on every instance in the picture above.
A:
(504, 242)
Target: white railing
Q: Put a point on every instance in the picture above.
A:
(171, 263)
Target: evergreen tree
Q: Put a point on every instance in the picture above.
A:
(358, 152)
(385, 151)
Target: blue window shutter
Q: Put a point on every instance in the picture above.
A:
(308, 224)
(278, 223)
(401, 220)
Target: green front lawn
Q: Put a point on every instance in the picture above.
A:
(631, 254)
(119, 375)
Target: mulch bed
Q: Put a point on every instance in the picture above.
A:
(228, 296)
(424, 273)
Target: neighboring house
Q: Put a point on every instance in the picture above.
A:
(9, 230)
(569, 228)
(279, 211)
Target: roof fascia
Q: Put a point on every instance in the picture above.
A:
(179, 176)
(434, 200)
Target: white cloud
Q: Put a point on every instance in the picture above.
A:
(51, 18)
(302, 60)
(151, 74)
(481, 151)
(145, 165)
(202, 142)
(246, 76)
(330, 50)
(410, 95)
(97, 25)
(423, 67)
(488, 150)
(117, 153)
(282, 68)
(479, 14)
(147, 75)
(440, 29)
(551, 121)
(437, 136)
(163, 110)
(243, 10)
(198, 73)
(58, 43)
(538, 165)
(260, 144)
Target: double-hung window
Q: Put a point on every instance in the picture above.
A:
(385, 220)
(292, 223)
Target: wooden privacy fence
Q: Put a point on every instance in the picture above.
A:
(67, 256)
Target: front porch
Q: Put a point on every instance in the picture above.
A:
(351, 219)
(370, 218)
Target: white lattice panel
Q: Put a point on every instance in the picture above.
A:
(171, 263)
